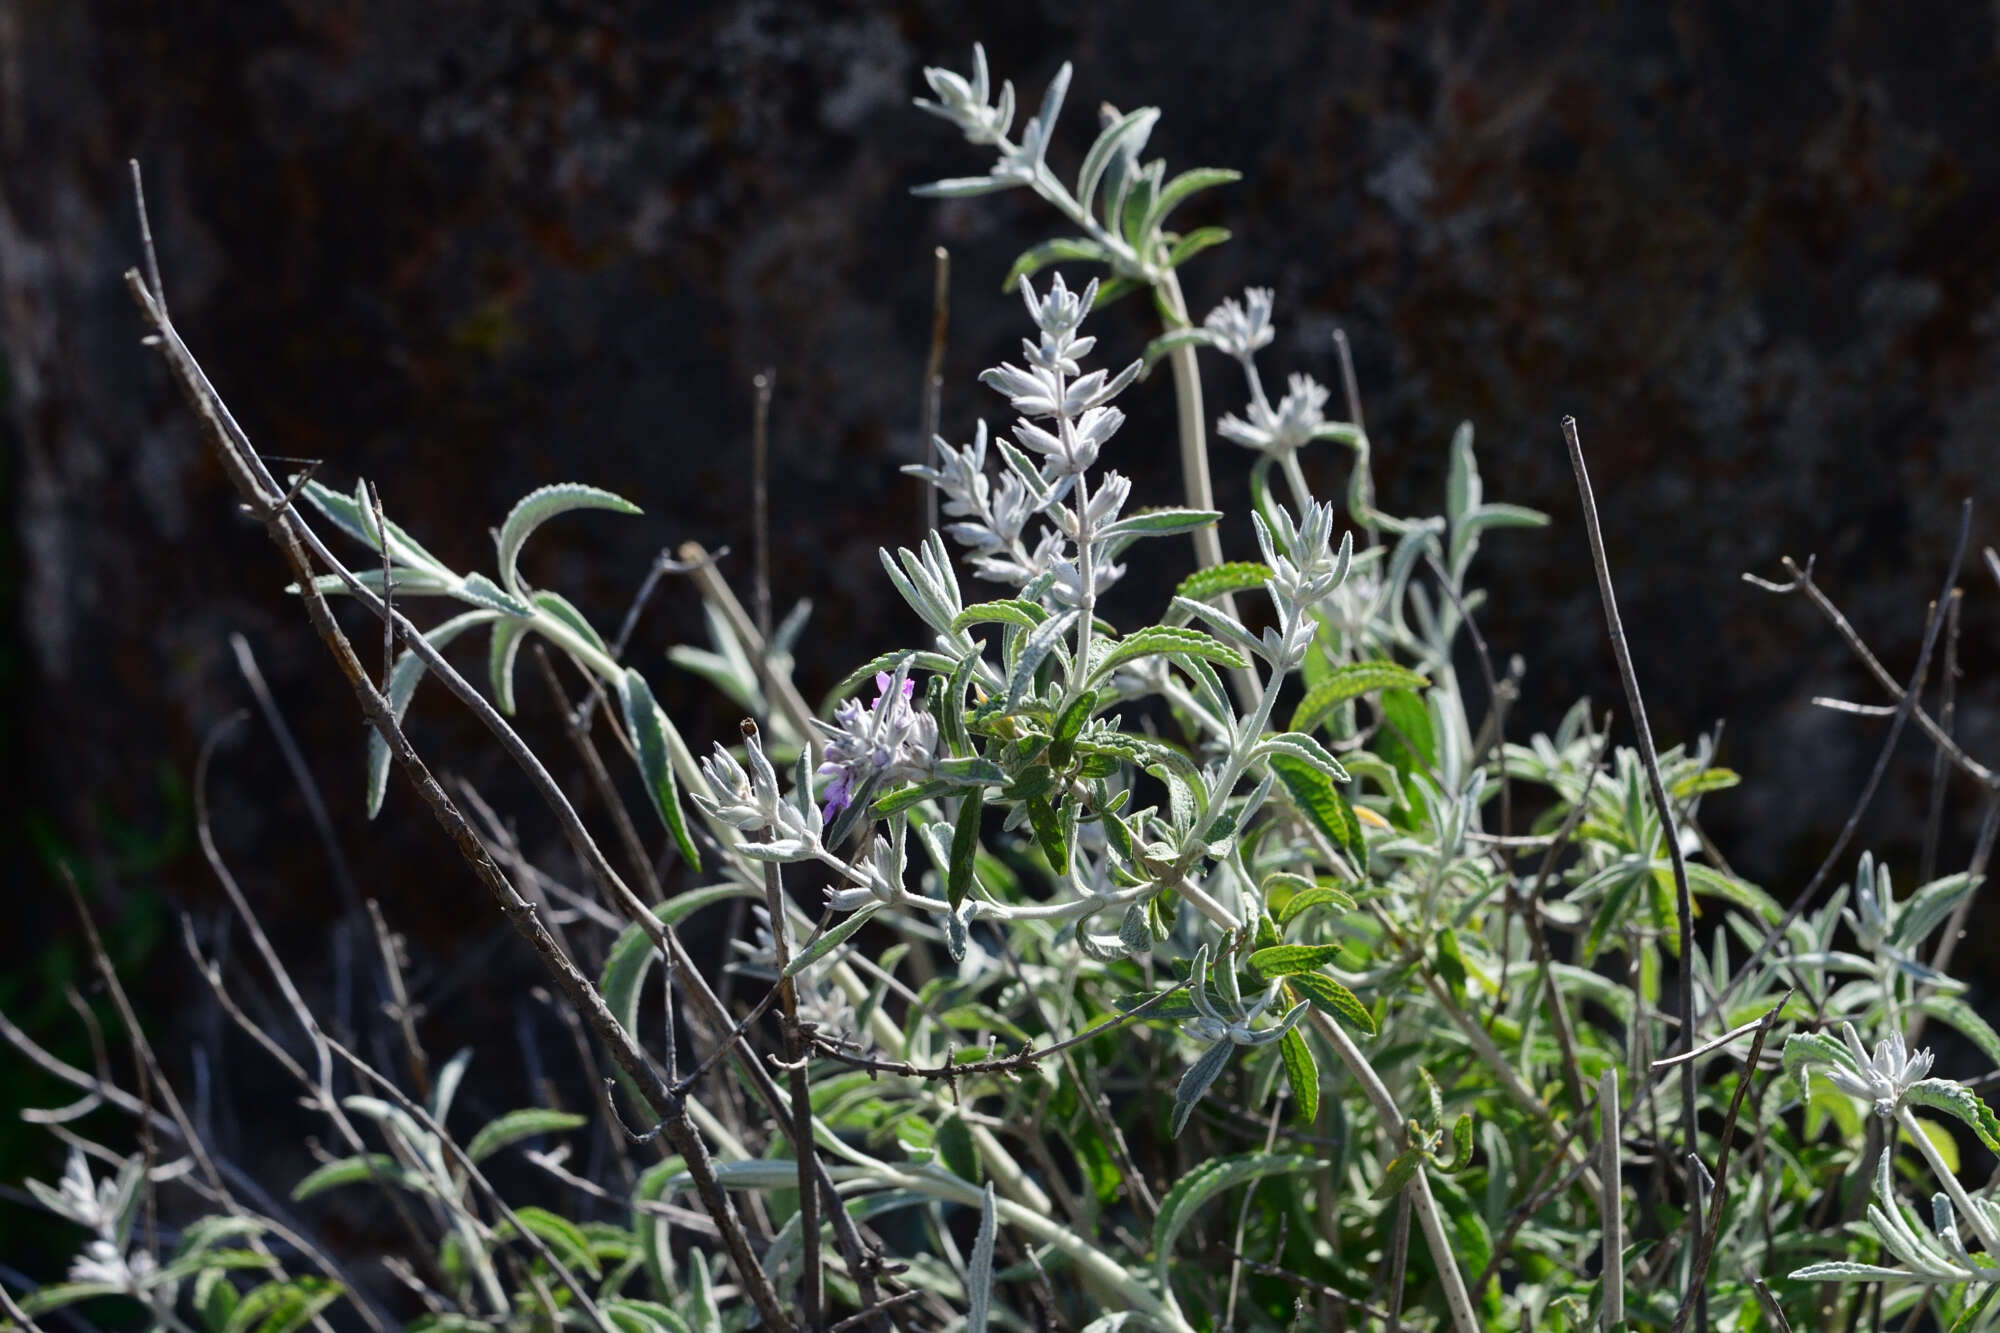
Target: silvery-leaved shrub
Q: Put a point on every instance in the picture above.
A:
(1231, 968)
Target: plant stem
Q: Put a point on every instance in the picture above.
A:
(1193, 423)
(1949, 1179)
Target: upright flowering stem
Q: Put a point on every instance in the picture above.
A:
(1193, 422)
(1949, 1179)
(1079, 670)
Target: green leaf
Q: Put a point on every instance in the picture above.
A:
(964, 187)
(632, 954)
(1172, 341)
(1062, 743)
(1461, 1146)
(482, 591)
(1846, 1272)
(1077, 249)
(218, 1261)
(1406, 739)
(1236, 576)
(1962, 1016)
(1287, 960)
(1298, 745)
(1133, 125)
(1701, 781)
(1193, 243)
(280, 1307)
(904, 798)
(964, 848)
(979, 1268)
(555, 604)
(1007, 611)
(1048, 826)
(1320, 895)
(358, 522)
(957, 1150)
(370, 1169)
(1160, 523)
(1195, 1083)
(404, 678)
(1163, 641)
(1302, 1072)
(538, 507)
(1034, 649)
(1113, 290)
(1956, 1099)
(1398, 1172)
(1178, 189)
(1331, 997)
(66, 1293)
(526, 1123)
(1926, 909)
(1351, 682)
(216, 1298)
(1316, 796)
(828, 941)
(636, 1316)
(1204, 1183)
(502, 649)
(650, 736)
(564, 1237)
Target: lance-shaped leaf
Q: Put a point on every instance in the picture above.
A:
(633, 955)
(1302, 1072)
(1159, 523)
(828, 941)
(501, 650)
(1034, 650)
(403, 679)
(1319, 895)
(1303, 748)
(1204, 1183)
(1284, 960)
(538, 507)
(979, 1268)
(964, 848)
(1321, 802)
(482, 591)
(1179, 188)
(1332, 998)
(1236, 576)
(1351, 682)
(526, 1123)
(1079, 249)
(650, 730)
(1163, 641)
(1134, 126)
(1195, 1082)
(358, 521)
(1957, 1100)
(1193, 243)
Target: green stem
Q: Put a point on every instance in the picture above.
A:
(1949, 1179)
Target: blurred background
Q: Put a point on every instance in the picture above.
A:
(466, 249)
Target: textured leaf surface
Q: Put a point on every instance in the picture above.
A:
(538, 507)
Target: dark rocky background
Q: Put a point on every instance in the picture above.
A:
(464, 249)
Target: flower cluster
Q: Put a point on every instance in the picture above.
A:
(1886, 1076)
(1305, 570)
(992, 516)
(104, 1207)
(1296, 421)
(1052, 388)
(968, 103)
(750, 802)
(886, 741)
